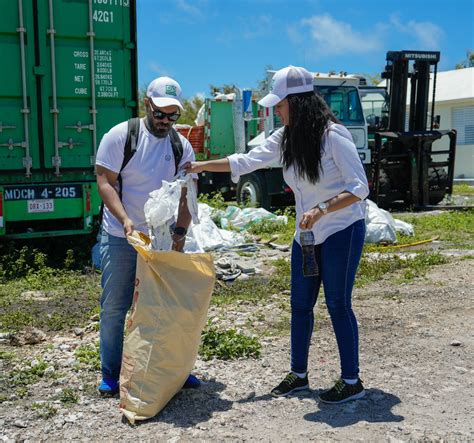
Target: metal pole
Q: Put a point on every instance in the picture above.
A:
(434, 93)
(51, 31)
(27, 161)
(93, 109)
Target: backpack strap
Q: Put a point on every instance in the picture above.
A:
(130, 147)
(177, 148)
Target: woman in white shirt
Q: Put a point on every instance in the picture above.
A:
(322, 167)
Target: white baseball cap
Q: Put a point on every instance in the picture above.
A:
(164, 91)
(289, 80)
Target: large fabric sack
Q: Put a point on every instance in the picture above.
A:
(171, 299)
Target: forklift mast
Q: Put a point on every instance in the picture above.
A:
(397, 72)
(406, 167)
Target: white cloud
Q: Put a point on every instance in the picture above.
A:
(426, 35)
(189, 9)
(157, 69)
(337, 37)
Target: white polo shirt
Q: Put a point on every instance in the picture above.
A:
(152, 162)
(342, 170)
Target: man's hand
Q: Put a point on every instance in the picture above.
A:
(128, 226)
(310, 217)
(178, 242)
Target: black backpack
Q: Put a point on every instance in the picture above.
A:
(130, 148)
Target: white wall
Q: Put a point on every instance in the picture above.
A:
(464, 160)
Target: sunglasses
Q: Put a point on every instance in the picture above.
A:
(159, 115)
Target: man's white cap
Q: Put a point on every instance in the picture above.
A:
(164, 91)
(289, 80)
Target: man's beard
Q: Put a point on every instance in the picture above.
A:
(161, 131)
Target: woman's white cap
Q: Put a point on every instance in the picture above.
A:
(289, 80)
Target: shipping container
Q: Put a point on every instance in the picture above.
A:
(69, 74)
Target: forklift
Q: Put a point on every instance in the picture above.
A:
(406, 171)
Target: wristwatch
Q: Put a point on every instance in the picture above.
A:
(323, 206)
(179, 230)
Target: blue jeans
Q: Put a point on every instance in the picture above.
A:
(118, 262)
(338, 258)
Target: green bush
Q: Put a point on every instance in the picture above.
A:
(227, 345)
(68, 396)
(89, 355)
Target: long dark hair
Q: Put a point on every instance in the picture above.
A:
(301, 145)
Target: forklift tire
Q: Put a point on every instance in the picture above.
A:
(252, 191)
(438, 182)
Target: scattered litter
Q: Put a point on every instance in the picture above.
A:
(279, 247)
(245, 218)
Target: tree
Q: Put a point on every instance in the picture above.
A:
(191, 107)
(373, 79)
(224, 89)
(141, 105)
(468, 62)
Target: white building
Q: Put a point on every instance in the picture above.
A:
(454, 103)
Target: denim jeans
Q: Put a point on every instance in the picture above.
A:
(118, 262)
(338, 258)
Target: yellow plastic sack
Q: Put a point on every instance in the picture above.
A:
(170, 303)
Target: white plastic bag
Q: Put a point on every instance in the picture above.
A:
(162, 207)
(381, 226)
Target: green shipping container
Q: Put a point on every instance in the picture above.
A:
(68, 75)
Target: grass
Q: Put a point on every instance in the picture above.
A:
(396, 267)
(227, 344)
(68, 396)
(455, 228)
(89, 356)
(463, 189)
(69, 300)
(44, 410)
(20, 379)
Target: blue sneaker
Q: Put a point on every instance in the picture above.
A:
(108, 387)
(192, 382)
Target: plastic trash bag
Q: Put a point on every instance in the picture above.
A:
(170, 303)
(162, 207)
(381, 226)
(244, 218)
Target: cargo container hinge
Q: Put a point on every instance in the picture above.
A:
(11, 144)
(93, 110)
(70, 144)
(27, 160)
(79, 127)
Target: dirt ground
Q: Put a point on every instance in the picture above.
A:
(416, 345)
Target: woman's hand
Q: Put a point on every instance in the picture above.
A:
(194, 167)
(309, 218)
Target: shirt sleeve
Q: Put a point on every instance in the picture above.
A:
(188, 154)
(257, 158)
(347, 159)
(111, 148)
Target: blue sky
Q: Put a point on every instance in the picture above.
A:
(202, 42)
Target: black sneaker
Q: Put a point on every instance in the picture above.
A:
(342, 392)
(291, 383)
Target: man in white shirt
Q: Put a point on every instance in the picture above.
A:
(124, 191)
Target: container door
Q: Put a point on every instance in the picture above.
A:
(221, 128)
(18, 105)
(87, 51)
